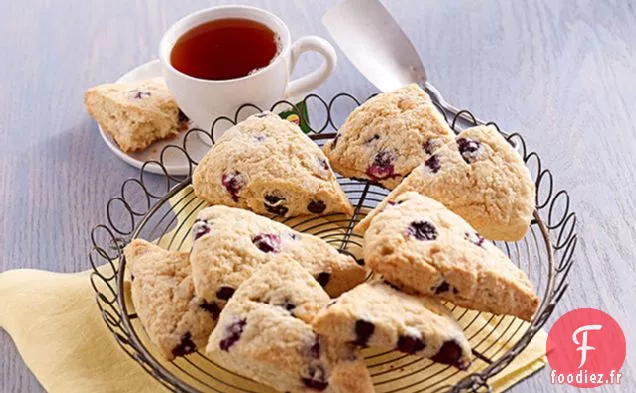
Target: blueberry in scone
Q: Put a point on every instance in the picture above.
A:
(136, 114)
(177, 321)
(268, 165)
(230, 244)
(377, 315)
(388, 136)
(264, 333)
(419, 245)
(480, 177)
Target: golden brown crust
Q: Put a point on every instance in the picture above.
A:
(413, 324)
(164, 299)
(388, 136)
(268, 165)
(229, 253)
(263, 335)
(490, 187)
(418, 244)
(135, 115)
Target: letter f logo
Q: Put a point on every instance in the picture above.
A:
(583, 344)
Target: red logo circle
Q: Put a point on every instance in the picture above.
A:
(586, 348)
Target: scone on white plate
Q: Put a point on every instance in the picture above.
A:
(418, 245)
(388, 136)
(136, 115)
(264, 334)
(230, 244)
(177, 321)
(478, 176)
(377, 315)
(268, 165)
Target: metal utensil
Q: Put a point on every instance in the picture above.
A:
(374, 42)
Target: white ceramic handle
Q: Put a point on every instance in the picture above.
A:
(309, 82)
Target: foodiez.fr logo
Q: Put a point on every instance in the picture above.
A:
(586, 348)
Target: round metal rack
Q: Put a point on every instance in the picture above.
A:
(161, 209)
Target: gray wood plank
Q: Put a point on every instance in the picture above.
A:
(561, 73)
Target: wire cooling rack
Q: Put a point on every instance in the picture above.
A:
(159, 209)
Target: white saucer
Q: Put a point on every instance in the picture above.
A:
(175, 162)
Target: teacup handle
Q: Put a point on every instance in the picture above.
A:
(310, 82)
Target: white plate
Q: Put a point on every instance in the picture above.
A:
(175, 161)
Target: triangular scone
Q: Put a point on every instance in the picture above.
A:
(419, 245)
(136, 114)
(264, 333)
(230, 244)
(388, 136)
(376, 315)
(270, 166)
(480, 177)
(176, 320)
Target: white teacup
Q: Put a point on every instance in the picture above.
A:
(205, 100)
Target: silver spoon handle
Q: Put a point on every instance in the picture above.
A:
(468, 117)
(432, 90)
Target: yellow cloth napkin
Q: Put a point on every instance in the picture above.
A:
(59, 331)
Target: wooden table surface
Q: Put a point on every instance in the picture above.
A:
(560, 72)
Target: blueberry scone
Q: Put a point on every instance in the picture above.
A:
(480, 177)
(137, 114)
(230, 244)
(377, 315)
(264, 333)
(388, 136)
(419, 245)
(268, 165)
(176, 320)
